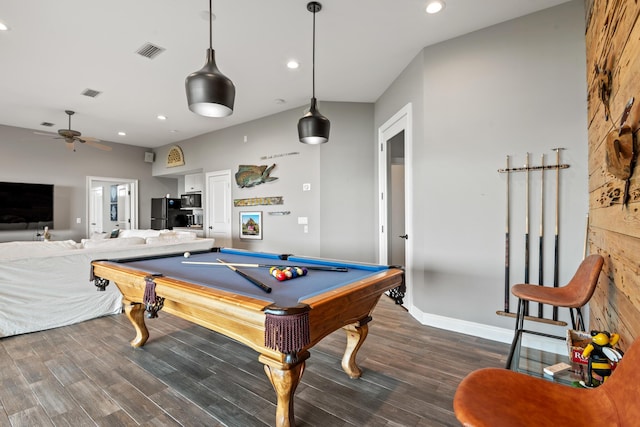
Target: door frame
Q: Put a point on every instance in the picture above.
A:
(402, 120)
(133, 198)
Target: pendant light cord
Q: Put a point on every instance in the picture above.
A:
(210, 25)
(313, 57)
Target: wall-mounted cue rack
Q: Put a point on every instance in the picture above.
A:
(527, 168)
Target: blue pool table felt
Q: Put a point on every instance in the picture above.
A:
(287, 293)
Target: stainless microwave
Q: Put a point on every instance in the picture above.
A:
(189, 201)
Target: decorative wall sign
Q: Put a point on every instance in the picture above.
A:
(255, 201)
(251, 225)
(175, 157)
(252, 175)
(113, 212)
(273, 156)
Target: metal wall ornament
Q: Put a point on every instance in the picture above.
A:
(603, 78)
(175, 157)
(619, 148)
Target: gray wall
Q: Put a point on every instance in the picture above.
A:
(510, 89)
(340, 206)
(25, 157)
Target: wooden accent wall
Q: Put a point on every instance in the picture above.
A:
(613, 42)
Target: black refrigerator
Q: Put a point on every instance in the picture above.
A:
(166, 214)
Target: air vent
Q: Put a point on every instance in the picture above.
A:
(91, 93)
(47, 124)
(150, 51)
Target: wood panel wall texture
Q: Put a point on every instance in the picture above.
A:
(613, 41)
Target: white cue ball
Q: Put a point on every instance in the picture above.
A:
(187, 254)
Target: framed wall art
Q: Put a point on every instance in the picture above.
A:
(251, 225)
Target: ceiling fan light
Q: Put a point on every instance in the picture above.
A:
(209, 92)
(313, 127)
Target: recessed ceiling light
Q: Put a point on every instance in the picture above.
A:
(435, 6)
(122, 133)
(161, 117)
(3, 27)
(293, 64)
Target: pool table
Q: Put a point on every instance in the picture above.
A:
(281, 320)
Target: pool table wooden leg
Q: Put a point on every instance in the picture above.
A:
(135, 314)
(284, 379)
(356, 334)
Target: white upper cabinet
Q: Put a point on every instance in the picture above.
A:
(193, 182)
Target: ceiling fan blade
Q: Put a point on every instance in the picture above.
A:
(88, 138)
(45, 134)
(97, 145)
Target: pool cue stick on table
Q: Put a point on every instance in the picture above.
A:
(256, 282)
(235, 264)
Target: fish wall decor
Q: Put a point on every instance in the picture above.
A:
(252, 175)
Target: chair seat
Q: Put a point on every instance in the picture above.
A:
(559, 297)
(494, 397)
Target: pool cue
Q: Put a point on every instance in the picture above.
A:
(235, 264)
(256, 282)
(556, 261)
(541, 242)
(506, 249)
(526, 232)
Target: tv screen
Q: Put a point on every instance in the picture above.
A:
(25, 206)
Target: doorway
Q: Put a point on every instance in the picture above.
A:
(111, 203)
(395, 188)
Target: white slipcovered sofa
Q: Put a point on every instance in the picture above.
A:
(46, 285)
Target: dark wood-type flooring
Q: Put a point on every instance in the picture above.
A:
(87, 374)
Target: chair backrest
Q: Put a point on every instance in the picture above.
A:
(584, 281)
(623, 386)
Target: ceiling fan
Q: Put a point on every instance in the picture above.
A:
(70, 136)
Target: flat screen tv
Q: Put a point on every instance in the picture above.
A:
(25, 206)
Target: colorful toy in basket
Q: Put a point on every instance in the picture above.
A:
(602, 357)
(286, 273)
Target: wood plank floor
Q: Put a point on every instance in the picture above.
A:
(88, 375)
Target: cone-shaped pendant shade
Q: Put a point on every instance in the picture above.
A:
(313, 127)
(209, 92)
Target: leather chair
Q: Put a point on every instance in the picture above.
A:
(494, 397)
(574, 295)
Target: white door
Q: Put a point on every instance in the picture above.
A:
(95, 212)
(218, 207)
(399, 124)
(124, 207)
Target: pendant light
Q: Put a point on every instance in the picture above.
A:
(209, 92)
(314, 128)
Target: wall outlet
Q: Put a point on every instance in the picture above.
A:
(78, 220)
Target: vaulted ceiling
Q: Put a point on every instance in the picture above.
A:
(54, 51)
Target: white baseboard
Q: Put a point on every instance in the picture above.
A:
(489, 332)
